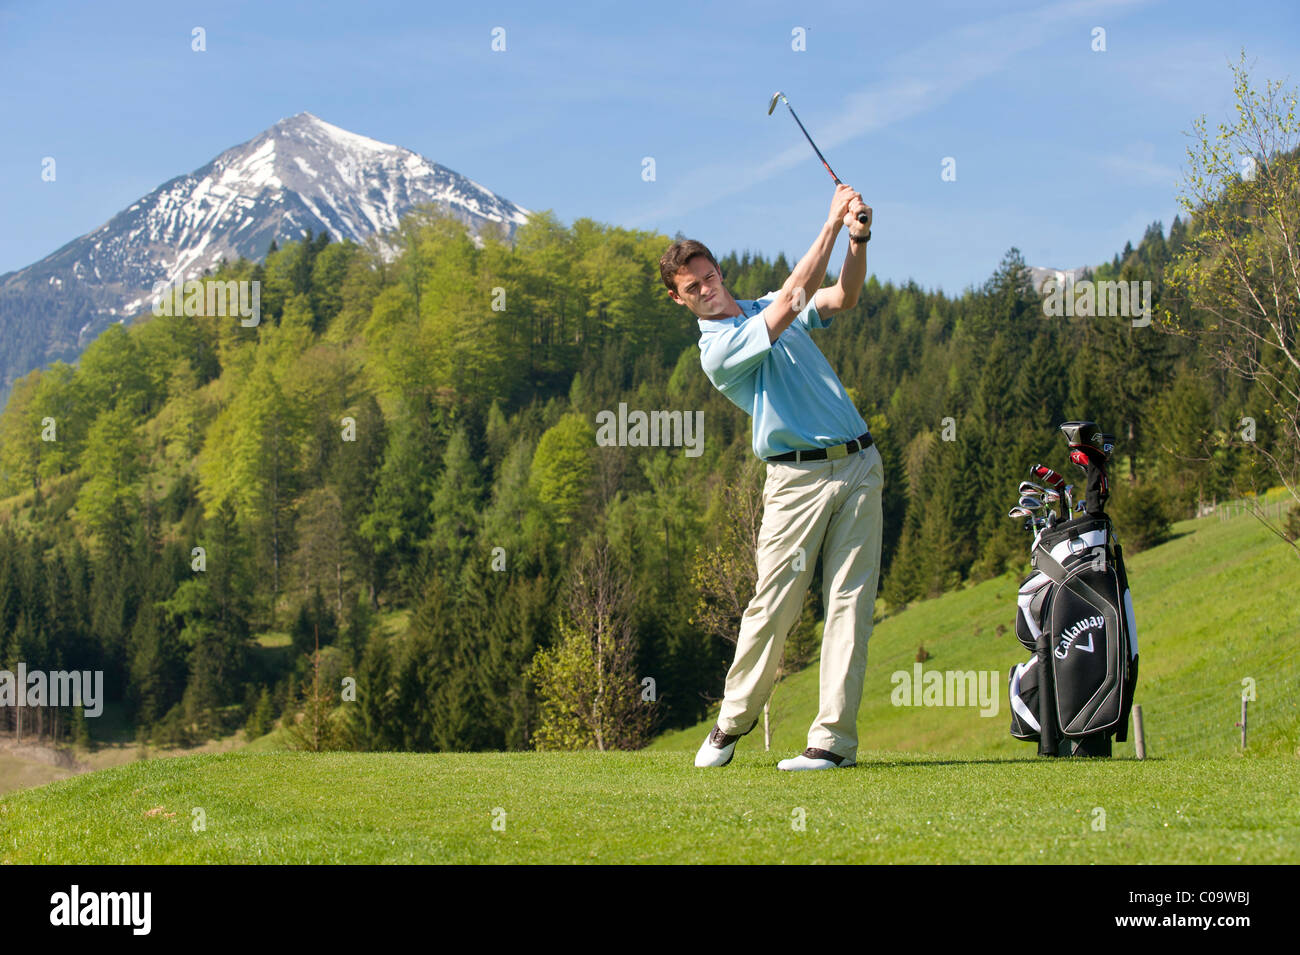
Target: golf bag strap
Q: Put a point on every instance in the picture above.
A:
(1017, 704)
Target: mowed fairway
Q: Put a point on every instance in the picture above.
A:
(643, 807)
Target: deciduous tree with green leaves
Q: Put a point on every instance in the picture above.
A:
(588, 690)
(1236, 284)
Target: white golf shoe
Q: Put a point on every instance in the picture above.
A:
(718, 747)
(812, 758)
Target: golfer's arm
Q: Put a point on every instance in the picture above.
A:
(802, 283)
(844, 293)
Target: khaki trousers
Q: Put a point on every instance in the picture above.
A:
(833, 506)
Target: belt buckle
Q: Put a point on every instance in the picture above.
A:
(839, 451)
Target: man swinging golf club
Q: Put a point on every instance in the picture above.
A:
(824, 478)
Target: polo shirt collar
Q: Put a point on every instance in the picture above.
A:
(746, 308)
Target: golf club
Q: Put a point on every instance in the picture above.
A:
(778, 95)
(1029, 487)
(1031, 502)
(1046, 475)
(1086, 435)
(1053, 499)
(1031, 523)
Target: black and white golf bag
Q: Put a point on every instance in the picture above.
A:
(1076, 615)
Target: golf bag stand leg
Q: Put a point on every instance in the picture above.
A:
(1098, 744)
(1048, 737)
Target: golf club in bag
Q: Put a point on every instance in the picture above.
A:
(1075, 613)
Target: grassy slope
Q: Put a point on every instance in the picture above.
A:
(1219, 602)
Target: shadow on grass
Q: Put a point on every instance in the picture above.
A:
(1020, 761)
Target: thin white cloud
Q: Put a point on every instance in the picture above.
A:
(1138, 165)
(928, 75)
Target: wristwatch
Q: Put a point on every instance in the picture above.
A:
(860, 238)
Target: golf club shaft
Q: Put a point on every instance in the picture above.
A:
(862, 216)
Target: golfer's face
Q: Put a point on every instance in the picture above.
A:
(699, 287)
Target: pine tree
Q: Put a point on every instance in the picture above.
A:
(453, 509)
(81, 730)
(504, 617)
(315, 730)
(398, 516)
(315, 624)
(904, 582)
(376, 705)
(354, 473)
(259, 721)
(158, 667)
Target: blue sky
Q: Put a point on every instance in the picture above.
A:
(1061, 151)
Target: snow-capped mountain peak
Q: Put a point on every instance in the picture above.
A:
(301, 174)
(305, 174)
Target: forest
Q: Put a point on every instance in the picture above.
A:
(381, 515)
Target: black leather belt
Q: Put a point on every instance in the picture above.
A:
(860, 443)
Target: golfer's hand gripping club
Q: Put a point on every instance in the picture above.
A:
(847, 207)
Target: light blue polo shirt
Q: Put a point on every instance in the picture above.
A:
(787, 386)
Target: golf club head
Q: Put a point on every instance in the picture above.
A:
(1029, 487)
(1087, 435)
(1019, 513)
(1031, 501)
(772, 105)
(1051, 497)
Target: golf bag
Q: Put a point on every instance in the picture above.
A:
(1076, 614)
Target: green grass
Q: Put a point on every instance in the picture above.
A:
(1218, 603)
(640, 807)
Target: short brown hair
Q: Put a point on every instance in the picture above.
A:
(678, 254)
